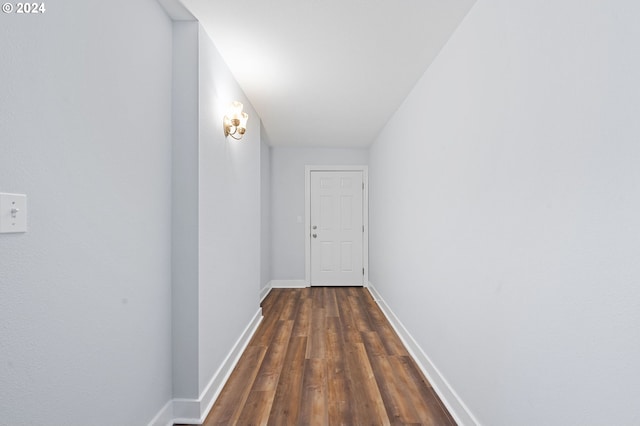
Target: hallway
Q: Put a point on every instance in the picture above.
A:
(326, 355)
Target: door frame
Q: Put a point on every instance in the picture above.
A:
(307, 216)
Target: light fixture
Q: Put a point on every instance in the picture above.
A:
(235, 122)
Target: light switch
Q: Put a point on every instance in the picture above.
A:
(13, 213)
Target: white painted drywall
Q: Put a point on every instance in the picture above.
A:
(185, 197)
(216, 215)
(229, 215)
(265, 208)
(504, 221)
(287, 202)
(85, 295)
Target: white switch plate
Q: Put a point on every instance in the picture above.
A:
(13, 213)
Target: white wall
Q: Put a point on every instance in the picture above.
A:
(265, 207)
(287, 202)
(216, 217)
(504, 212)
(85, 295)
(229, 215)
(185, 191)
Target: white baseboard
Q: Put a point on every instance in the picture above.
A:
(265, 291)
(288, 284)
(195, 411)
(186, 411)
(164, 416)
(215, 385)
(460, 412)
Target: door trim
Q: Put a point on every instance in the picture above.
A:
(307, 216)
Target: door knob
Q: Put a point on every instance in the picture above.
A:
(314, 227)
(315, 235)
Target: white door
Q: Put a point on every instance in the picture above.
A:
(336, 228)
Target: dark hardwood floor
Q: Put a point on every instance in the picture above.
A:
(326, 356)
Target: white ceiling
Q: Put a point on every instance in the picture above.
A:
(328, 73)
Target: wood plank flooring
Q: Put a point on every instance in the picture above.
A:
(326, 356)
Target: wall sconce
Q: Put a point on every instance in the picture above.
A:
(235, 122)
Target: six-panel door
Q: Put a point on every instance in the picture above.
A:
(336, 228)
